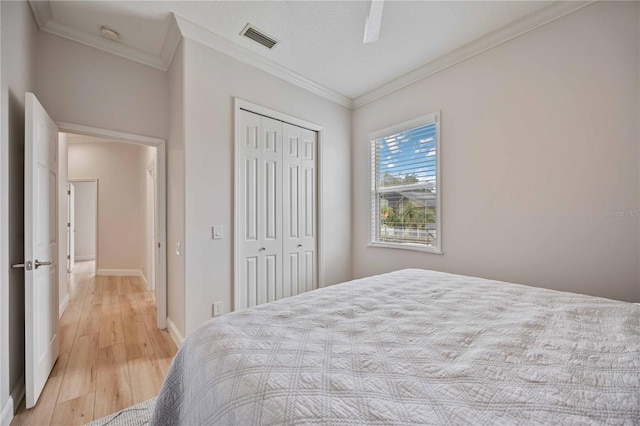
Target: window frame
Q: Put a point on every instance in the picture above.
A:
(432, 118)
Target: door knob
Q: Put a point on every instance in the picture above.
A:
(262, 249)
(299, 245)
(38, 264)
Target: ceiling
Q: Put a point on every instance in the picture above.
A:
(320, 41)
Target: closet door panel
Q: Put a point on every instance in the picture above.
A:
(268, 292)
(271, 208)
(308, 209)
(299, 209)
(248, 237)
(291, 210)
(252, 279)
(251, 187)
(270, 212)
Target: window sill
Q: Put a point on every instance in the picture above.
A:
(413, 247)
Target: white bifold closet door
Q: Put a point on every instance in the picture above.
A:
(276, 218)
(299, 210)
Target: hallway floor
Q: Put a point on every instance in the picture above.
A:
(111, 353)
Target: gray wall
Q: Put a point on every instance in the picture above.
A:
(86, 194)
(18, 76)
(539, 141)
(82, 85)
(121, 201)
(211, 80)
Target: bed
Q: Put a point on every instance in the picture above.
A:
(412, 347)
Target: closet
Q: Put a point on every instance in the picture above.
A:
(276, 254)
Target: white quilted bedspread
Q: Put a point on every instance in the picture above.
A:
(412, 347)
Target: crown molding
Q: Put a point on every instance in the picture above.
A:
(203, 36)
(491, 40)
(180, 27)
(42, 13)
(103, 44)
(171, 42)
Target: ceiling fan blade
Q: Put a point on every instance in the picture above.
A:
(372, 24)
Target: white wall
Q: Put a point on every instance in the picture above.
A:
(211, 80)
(175, 193)
(82, 85)
(18, 76)
(86, 197)
(539, 140)
(121, 233)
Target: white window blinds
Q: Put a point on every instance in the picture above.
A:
(404, 182)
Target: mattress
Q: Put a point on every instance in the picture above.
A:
(412, 347)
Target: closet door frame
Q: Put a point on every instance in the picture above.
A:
(241, 104)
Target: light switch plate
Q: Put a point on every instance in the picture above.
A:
(216, 232)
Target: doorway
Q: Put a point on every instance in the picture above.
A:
(151, 267)
(82, 244)
(45, 205)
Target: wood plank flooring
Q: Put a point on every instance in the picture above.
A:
(112, 355)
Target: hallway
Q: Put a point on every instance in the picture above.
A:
(111, 353)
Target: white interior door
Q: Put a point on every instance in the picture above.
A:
(299, 242)
(71, 227)
(40, 227)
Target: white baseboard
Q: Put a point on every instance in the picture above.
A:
(119, 272)
(174, 333)
(63, 306)
(6, 415)
(144, 281)
(18, 391)
(72, 283)
(83, 258)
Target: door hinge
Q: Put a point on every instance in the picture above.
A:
(68, 257)
(68, 192)
(158, 245)
(68, 224)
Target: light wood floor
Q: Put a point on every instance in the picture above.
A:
(112, 355)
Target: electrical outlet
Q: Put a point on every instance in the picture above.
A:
(217, 309)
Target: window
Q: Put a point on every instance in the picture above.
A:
(405, 190)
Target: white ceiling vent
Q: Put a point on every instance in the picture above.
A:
(259, 36)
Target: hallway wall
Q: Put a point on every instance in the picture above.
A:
(121, 201)
(86, 194)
